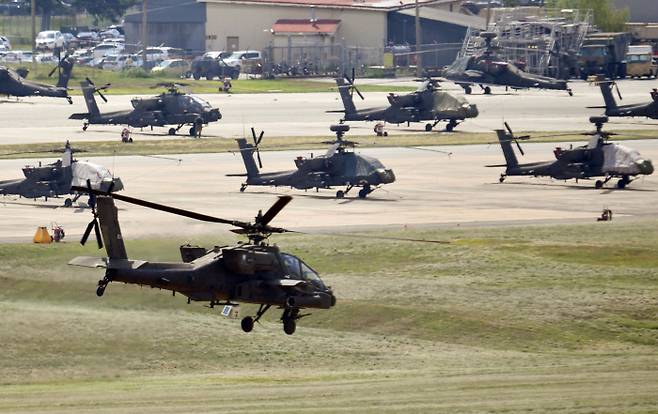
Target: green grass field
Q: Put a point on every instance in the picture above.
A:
(186, 145)
(536, 319)
(136, 82)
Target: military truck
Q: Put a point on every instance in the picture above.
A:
(640, 62)
(604, 54)
(211, 65)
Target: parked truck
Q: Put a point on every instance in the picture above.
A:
(604, 54)
(640, 62)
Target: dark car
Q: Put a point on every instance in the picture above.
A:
(211, 65)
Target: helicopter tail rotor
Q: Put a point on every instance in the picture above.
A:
(516, 139)
(257, 141)
(93, 224)
(353, 87)
(99, 88)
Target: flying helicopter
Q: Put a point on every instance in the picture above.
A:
(168, 108)
(598, 158)
(59, 178)
(427, 103)
(252, 272)
(648, 109)
(13, 82)
(340, 166)
(487, 69)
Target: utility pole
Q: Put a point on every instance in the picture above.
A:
(486, 27)
(33, 7)
(419, 64)
(145, 32)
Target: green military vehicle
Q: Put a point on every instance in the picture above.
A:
(604, 54)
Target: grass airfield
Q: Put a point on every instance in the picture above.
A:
(503, 319)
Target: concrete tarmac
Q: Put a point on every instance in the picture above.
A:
(46, 119)
(431, 188)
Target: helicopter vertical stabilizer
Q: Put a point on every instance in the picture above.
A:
(508, 151)
(348, 102)
(608, 98)
(90, 100)
(66, 66)
(110, 230)
(247, 152)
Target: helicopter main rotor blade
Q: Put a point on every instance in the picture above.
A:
(162, 207)
(509, 129)
(274, 210)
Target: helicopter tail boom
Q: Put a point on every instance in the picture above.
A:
(110, 230)
(608, 97)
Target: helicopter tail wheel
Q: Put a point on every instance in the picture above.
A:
(102, 284)
(242, 188)
(502, 178)
(85, 126)
(598, 184)
(570, 92)
(428, 127)
(172, 131)
(247, 324)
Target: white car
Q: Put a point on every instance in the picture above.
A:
(19, 56)
(238, 58)
(49, 39)
(106, 49)
(178, 67)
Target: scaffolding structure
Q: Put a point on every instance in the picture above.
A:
(541, 41)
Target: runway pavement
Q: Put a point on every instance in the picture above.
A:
(430, 188)
(46, 119)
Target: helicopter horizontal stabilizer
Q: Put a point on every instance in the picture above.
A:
(103, 262)
(236, 175)
(496, 165)
(80, 115)
(596, 107)
(336, 111)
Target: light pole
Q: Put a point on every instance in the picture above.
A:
(145, 32)
(33, 7)
(419, 65)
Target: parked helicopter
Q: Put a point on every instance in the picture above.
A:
(598, 158)
(648, 109)
(13, 82)
(487, 69)
(59, 178)
(168, 108)
(427, 103)
(338, 167)
(253, 272)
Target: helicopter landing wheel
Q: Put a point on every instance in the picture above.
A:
(68, 203)
(428, 127)
(193, 132)
(598, 184)
(621, 184)
(100, 290)
(247, 324)
(487, 90)
(289, 326)
(172, 131)
(340, 194)
(450, 126)
(363, 193)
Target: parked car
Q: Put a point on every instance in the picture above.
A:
(109, 33)
(242, 57)
(161, 53)
(5, 44)
(106, 49)
(172, 67)
(49, 39)
(87, 39)
(211, 64)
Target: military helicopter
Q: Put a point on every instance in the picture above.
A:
(253, 272)
(427, 103)
(487, 69)
(649, 109)
(598, 158)
(169, 108)
(59, 178)
(13, 82)
(339, 166)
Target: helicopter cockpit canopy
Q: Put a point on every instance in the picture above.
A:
(620, 159)
(99, 176)
(297, 269)
(198, 104)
